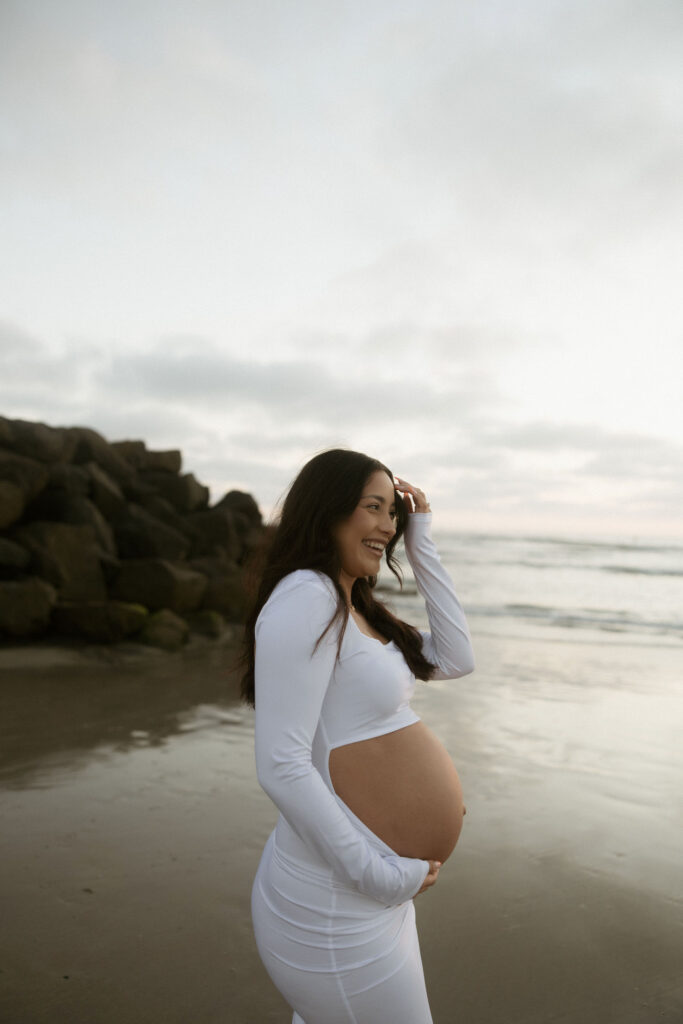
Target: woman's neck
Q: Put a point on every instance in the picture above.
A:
(346, 582)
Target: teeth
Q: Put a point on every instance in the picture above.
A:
(375, 545)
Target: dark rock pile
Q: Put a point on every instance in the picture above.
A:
(106, 541)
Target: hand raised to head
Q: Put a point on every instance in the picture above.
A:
(415, 499)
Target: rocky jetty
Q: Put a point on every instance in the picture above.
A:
(107, 540)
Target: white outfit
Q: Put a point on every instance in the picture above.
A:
(332, 903)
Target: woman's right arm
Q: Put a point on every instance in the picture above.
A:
(291, 682)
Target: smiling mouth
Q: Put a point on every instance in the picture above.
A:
(375, 546)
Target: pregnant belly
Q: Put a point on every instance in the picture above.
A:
(405, 788)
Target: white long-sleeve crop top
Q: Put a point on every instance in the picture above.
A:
(308, 702)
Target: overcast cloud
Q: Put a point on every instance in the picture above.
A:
(446, 233)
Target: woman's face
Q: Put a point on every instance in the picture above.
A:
(362, 538)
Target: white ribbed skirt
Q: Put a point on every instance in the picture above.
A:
(337, 956)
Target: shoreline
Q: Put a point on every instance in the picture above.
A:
(64, 652)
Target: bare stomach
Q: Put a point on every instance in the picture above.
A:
(405, 788)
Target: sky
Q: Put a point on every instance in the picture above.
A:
(444, 232)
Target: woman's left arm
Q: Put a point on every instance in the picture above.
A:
(448, 644)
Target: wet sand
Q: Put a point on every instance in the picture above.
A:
(133, 824)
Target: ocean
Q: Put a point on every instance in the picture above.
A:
(561, 589)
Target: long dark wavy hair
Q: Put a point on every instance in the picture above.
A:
(326, 492)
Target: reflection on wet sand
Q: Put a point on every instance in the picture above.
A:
(63, 704)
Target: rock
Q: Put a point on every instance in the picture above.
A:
(6, 432)
(242, 504)
(51, 506)
(206, 622)
(165, 629)
(89, 446)
(102, 621)
(247, 519)
(137, 491)
(225, 594)
(134, 452)
(11, 503)
(71, 479)
(66, 556)
(13, 558)
(213, 565)
(164, 511)
(138, 456)
(157, 584)
(85, 513)
(35, 440)
(169, 462)
(58, 506)
(110, 525)
(184, 493)
(142, 535)
(214, 533)
(105, 493)
(25, 606)
(89, 513)
(28, 475)
(110, 568)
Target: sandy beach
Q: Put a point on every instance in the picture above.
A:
(133, 824)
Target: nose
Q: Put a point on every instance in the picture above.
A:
(389, 525)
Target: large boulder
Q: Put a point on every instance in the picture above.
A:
(53, 505)
(66, 556)
(14, 559)
(25, 606)
(184, 493)
(57, 506)
(23, 480)
(74, 480)
(105, 493)
(85, 512)
(206, 622)
(247, 518)
(170, 461)
(101, 621)
(6, 432)
(214, 533)
(11, 503)
(139, 457)
(134, 452)
(35, 440)
(157, 584)
(225, 591)
(137, 490)
(142, 535)
(163, 510)
(241, 505)
(165, 629)
(89, 446)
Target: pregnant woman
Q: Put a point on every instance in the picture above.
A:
(370, 802)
